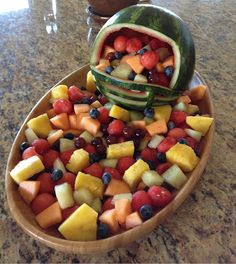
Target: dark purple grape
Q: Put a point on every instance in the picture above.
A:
(80, 142)
(139, 133)
(96, 141)
(111, 139)
(136, 143)
(103, 129)
(101, 149)
(128, 132)
(111, 56)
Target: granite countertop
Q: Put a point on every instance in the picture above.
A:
(35, 53)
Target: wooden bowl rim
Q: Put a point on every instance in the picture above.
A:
(127, 236)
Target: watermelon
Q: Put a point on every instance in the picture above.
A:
(156, 22)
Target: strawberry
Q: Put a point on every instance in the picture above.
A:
(120, 43)
(133, 45)
(148, 154)
(75, 94)
(116, 127)
(107, 205)
(95, 170)
(176, 133)
(124, 163)
(49, 158)
(65, 156)
(160, 196)
(166, 144)
(104, 115)
(149, 59)
(162, 167)
(41, 145)
(178, 117)
(115, 174)
(139, 199)
(90, 148)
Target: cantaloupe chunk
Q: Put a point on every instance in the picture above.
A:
(96, 104)
(61, 121)
(122, 209)
(159, 67)
(197, 93)
(51, 113)
(73, 121)
(125, 58)
(102, 66)
(53, 137)
(139, 124)
(41, 125)
(168, 62)
(135, 63)
(81, 108)
(157, 127)
(109, 217)
(50, 216)
(90, 84)
(200, 123)
(91, 125)
(133, 220)
(29, 190)
(116, 187)
(79, 119)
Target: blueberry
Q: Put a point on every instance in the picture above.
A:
(24, 145)
(142, 51)
(132, 76)
(170, 125)
(169, 71)
(161, 157)
(148, 112)
(103, 231)
(94, 113)
(118, 55)
(151, 164)
(56, 145)
(146, 212)
(94, 157)
(109, 69)
(56, 174)
(106, 178)
(85, 100)
(69, 136)
(183, 141)
(83, 88)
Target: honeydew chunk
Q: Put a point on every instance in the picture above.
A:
(108, 163)
(83, 195)
(30, 135)
(122, 71)
(120, 196)
(81, 225)
(155, 141)
(143, 144)
(97, 205)
(119, 113)
(86, 136)
(151, 178)
(162, 112)
(40, 125)
(135, 115)
(66, 144)
(58, 164)
(133, 174)
(193, 133)
(59, 92)
(183, 156)
(78, 161)
(120, 150)
(25, 169)
(93, 184)
(175, 177)
(181, 107)
(140, 78)
(199, 123)
(64, 195)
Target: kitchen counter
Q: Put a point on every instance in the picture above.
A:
(42, 42)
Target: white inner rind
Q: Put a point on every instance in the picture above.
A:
(153, 33)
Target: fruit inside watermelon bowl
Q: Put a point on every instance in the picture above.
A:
(86, 174)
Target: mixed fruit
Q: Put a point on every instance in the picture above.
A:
(137, 57)
(93, 169)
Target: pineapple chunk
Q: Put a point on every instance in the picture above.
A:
(119, 113)
(78, 161)
(81, 225)
(133, 174)
(64, 195)
(120, 150)
(59, 92)
(162, 112)
(200, 123)
(83, 195)
(25, 169)
(90, 85)
(175, 177)
(40, 125)
(183, 156)
(93, 184)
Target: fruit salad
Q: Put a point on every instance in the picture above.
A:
(93, 169)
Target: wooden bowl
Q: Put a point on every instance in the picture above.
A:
(51, 237)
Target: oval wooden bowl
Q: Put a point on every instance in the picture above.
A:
(51, 237)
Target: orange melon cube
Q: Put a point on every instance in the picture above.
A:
(29, 190)
(197, 93)
(122, 209)
(79, 119)
(133, 220)
(168, 62)
(183, 99)
(102, 66)
(107, 50)
(96, 104)
(139, 124)
(157, 127)
(159, 67)
(90, 124)
(51, 113)
(61, 121)
(73, 121)
(81, 108)
(135, 63)
(116, 187)
(55, 136)
(109, 217)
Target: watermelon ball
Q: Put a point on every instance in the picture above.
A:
(56, 175)
(80, 142)
(41, 145)
(116, 127)
(103, 231)
(109, 69)
(149, 112)
(159, 196)
(124, 163)
(133, 45)
(149, 59)
(106, 178)
(62, 106)
(94, 113)
(161, 157)
(139, 199)
(24, 145)
(146, 212)
(75, 94)
(120, 43)
(169, 71)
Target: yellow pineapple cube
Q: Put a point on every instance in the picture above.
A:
(40, 125)
(183, 156)
(78, 161)
(91, 85)
(133, 175)
(81, 225)
(119, 113)
(200, 123)
(120, 150)
(162, 112)
(25, 169)
(59, 92)
(92, 183)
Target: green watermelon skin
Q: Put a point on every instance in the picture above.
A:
(157, 22)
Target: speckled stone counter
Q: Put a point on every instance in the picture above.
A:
(37, 50)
